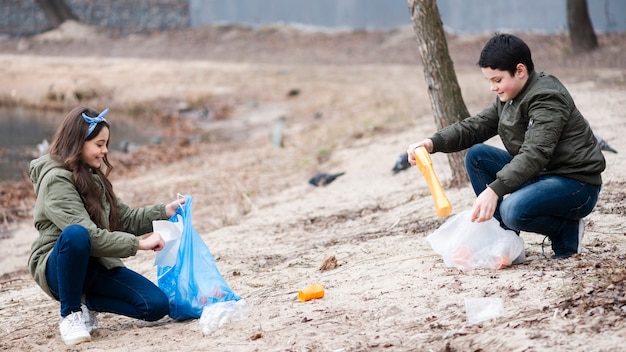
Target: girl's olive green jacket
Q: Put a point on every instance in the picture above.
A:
(59, 205)
(541, 128)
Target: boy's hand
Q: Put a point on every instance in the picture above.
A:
(426, 143)
(484, 205)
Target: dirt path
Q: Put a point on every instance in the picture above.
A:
(351, 102)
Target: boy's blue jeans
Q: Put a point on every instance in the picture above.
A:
(550, 205)
(71, 272)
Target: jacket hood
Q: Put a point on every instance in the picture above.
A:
(39, 168)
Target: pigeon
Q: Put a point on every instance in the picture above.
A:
(201, 114)
(293, 92)
(43, 147)
(401, 164)
(322, 179)
(604, 145)
(127, 146)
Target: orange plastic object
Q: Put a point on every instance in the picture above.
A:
(462, 258)
(312, 292)
(501, 262)
(442, 205)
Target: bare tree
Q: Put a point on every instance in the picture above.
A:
(56, 12)
(580, 28)
(443, 87)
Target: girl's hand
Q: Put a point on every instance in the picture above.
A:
(484, 205)
(170, 209)
(426, 143)
(153, 242)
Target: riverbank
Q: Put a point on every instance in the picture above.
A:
(351, 102)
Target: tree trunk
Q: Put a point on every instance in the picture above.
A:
(56, 12)
(443, 87)
(580, 28)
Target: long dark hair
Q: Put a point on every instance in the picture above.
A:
(66, 148)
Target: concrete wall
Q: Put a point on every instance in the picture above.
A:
(458, 16)
(343, 14)
(23, 17)
(539, 16)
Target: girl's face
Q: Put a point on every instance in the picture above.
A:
(503, 84)
(95, 149)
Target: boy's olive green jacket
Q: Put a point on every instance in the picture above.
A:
(59, 205)
(541, 128)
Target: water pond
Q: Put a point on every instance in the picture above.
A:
(24, 133)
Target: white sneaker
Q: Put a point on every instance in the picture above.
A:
(581, 233)
(89, 317)
(73, 329)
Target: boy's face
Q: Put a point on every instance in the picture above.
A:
(503, 84)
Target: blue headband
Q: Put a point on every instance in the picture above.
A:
(93, 121)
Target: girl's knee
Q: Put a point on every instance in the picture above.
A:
(76, 237)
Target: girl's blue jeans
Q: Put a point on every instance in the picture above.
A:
(72, 273)
(550, 205)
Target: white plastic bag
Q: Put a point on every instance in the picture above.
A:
(214, 316)
(469, 245)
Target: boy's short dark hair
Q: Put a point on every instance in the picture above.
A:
(504, 52)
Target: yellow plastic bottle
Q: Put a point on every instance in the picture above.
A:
(442, 204)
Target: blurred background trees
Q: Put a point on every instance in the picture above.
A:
(56, 12)
(581, 31)
(443, 87)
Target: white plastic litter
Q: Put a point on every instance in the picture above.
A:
(483, 308)
(214, 316)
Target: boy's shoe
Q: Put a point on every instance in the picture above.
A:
(89, 317)
(581, 233)
(73, 329)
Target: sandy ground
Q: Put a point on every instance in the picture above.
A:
(352, 102)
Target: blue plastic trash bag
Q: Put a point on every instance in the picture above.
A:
(193, 281)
